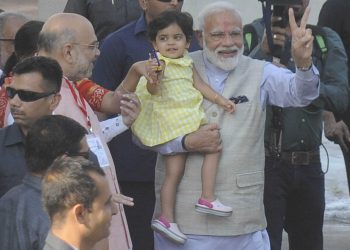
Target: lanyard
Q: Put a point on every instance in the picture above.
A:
(80, 102)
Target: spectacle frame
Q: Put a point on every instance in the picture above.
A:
(168, 1)
(26, 95)
(92, 46)
(6, 40)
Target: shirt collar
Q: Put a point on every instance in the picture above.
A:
(14, 135)
(141, 25)
(216, 76)
(32, 181)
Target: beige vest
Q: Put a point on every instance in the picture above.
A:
(119, 238)
(240, 178)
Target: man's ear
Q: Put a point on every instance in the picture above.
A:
(55, 101)
(80, 213)
(199, 36)
(68, 53)
(143, 4)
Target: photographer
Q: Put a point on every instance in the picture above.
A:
(294, 195)
(334, 14)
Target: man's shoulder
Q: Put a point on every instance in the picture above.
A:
(125, 31)
(10, 134)
(55, 243)
(9, 200)
(120, 38)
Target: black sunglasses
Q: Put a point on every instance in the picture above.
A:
(25, 95)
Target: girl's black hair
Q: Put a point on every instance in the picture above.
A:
(169, 17)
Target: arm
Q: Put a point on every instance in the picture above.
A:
(138, 69)
(109, 70)
(334, 89)
(283, 88)
(117, 125)
(205, 140)
(210, 94)
(335, 131)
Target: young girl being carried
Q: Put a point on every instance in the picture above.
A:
(171, 108)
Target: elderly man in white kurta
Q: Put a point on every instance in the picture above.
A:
(240, 178)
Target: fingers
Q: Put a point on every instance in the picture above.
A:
(230, 107)
(279, 35)
(130, 108)
(122, 199)
(210, 126)
(342, 144)
(346, 136)
(305, 18)
(293, 25)
(308, 38)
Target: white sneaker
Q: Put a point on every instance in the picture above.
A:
(214, 208)
(168, 230)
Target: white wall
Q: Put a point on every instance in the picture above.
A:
(49, 7)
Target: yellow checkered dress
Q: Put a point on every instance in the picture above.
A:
(174, 111)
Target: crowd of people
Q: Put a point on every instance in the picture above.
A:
(123, 128)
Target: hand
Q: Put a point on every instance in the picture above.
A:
(130, 108)
(226, 104)
(149, 69)
(279, 35)
(206, 139)
(154, 71)
(302, 40)
(339, 133)
(122, 199)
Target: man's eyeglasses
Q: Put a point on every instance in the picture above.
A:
(217, 36)
(6, 40)
(168, 1)
(92, 46)
(25, 95)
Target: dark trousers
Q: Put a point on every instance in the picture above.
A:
(139, 216)
(294, 199)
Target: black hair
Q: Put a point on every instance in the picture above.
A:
(68, 183)
(50, 137)
(49, 69)
(26, 39)
(169, 17)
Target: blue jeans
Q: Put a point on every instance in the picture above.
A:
(294, 199)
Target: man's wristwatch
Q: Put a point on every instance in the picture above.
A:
(305, 68)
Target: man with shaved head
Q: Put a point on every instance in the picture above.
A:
(71, 40)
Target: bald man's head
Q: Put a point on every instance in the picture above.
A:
(9, 25)
(62, 28)
(70, 39)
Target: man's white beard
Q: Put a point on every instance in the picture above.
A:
(226, 64)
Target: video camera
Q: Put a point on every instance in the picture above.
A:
(276, 8)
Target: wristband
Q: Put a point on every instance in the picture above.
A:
(183, 143)
(304, 68)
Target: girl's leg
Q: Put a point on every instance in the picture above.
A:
(175, 165)
(209, 170)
